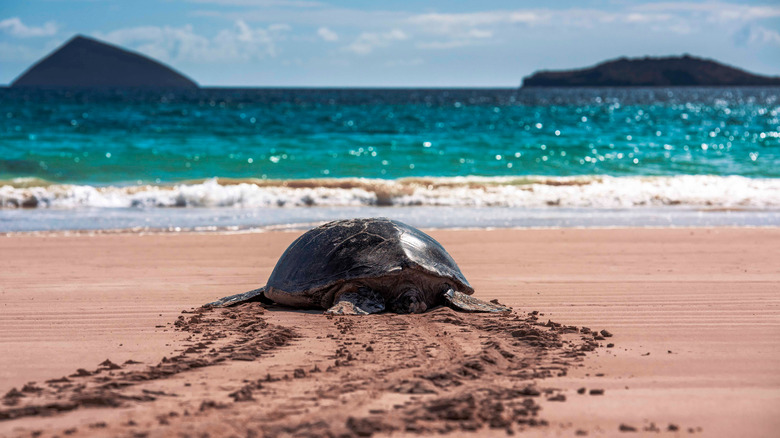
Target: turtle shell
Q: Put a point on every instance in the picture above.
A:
(357, 249)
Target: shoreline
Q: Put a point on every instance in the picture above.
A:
(231, 219)
(708, 295)
(299, 228)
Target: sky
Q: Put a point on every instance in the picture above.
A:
(408, 43)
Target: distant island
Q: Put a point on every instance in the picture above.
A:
(650, 72)
(84, 62)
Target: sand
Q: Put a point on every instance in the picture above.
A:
(693, 318)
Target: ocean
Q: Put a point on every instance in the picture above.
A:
(267, 158)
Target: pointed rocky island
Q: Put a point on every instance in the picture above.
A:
(84, 62)
(671, 71)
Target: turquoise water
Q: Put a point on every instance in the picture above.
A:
(124, 139)
(258, 158)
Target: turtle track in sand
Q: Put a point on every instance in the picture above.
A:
(253, 370)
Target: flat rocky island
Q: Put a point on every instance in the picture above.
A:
(650, 72)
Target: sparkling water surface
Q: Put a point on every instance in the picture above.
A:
(127, 138)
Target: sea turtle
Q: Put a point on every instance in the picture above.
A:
(362, 266)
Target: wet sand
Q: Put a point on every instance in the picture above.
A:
(694, 316)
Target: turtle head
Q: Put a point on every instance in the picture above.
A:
(417, 298)
(412, 300)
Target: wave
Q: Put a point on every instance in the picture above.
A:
(595, 191)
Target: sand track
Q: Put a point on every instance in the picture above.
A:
(319, 375)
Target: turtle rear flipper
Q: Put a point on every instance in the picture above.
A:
(360, 302)
(246, 297)
(466, 303)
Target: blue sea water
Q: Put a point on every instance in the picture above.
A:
(272, 149)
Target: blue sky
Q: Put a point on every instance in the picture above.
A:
(392, 43)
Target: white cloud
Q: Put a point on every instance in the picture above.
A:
(479, 33)
(327, 34)
(242, 42)
(464, 29)
(756, 35)
(368, 41)
(766, 36)
(664, 15)
(455, 30)
(467, 38)
(332, 17)
(15, 27)
(637, 17)
(451, 31)
(446, 22)
(716, 11)
(737, 20)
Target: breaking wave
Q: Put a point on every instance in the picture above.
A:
(533, 192)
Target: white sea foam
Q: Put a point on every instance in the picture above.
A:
(533, 192)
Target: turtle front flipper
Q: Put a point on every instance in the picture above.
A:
(466, 303)
(360, 302)
(246, 297)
